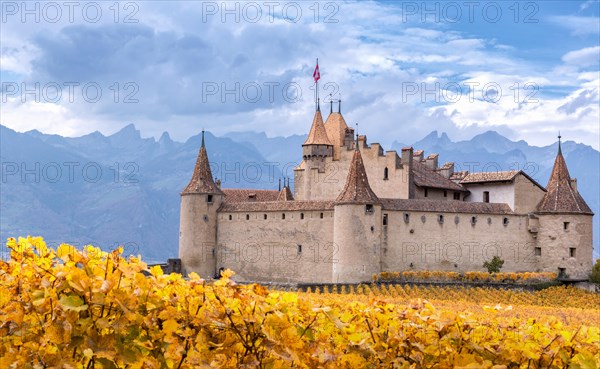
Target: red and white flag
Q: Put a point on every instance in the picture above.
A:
(316, 73)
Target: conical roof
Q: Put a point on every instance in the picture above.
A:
(317, 134)
(357, 189)
(202, 179)
(285, 194)
(336, 127)
(560, 196)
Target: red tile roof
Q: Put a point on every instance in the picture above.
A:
(444, 206)
(502, 176)
(425, 177)
(277, 206)
(357, 189)
(560, 196)
(457, 176)
(481, 177)
(285, 194)
(317, 134)
(202, 179)
(248, 195)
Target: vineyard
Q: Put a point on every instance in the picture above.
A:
(70, 308)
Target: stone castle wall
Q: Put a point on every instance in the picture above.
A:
(262, 249)
(457, 242)
(556, 241)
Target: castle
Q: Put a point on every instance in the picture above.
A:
(357, 210)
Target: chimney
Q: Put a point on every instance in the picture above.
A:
(432, 161)
(447, 170)
(418, 155)
(407, 168)
(574, 184)
(407, 156)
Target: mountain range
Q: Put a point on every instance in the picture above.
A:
(123, 189)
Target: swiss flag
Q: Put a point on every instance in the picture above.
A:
(316, 73)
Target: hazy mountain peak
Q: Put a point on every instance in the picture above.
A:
(125, 136)
(165, 138)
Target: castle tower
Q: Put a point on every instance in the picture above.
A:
(565, 232)
(315, 150)
(338, 132)
(198, 219)
(357, 227)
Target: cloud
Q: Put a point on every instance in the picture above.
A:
(578, 25)
(587, 57)
(187, 70)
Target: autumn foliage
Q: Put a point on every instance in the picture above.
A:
(69, 308)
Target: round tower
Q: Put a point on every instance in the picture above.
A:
(315, 150)
(200, 201)
(357, 227)
(564, 239)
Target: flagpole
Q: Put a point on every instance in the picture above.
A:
(317, 89)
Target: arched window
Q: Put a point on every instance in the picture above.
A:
(385, 174)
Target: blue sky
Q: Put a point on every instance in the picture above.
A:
(524, 68)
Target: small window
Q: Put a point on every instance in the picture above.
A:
(538, 251)
(445, 193)
(473, 220)
(425, 193)
(423, 218)
(385, 174)
(572, 251)
(209, 198)
(562, 272)
(369, 208)
(385, 219)
(407, 218)
(372, 229)
(283, 216)
(301, 215)
(265, 216)
(456, 195)
(489, 221)
(486, 196)
(505, 222)
(321, 216)
(247, 216)
(566, 226)
(440, 219)
(299, 249)
(230, 217)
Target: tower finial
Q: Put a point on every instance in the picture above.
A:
(559, 148)
(202, 138)
(279, 184)
(356, 146)
(319, 104)
(340, 104)
(330, 104)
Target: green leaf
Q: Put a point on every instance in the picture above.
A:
(73, 302)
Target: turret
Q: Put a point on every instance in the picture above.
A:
(315, 150)
(565, 225)
(317, 145)
(198, 219)
(337, 131)
(357, 227)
